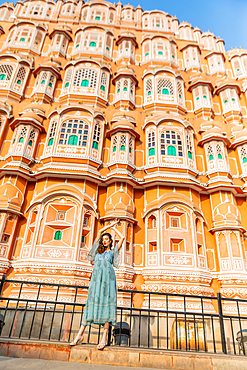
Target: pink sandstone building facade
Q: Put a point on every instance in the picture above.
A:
(110, 111)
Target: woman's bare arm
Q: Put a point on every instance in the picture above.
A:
(105, 228)
(121, 238)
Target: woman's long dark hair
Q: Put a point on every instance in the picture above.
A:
(101, 247)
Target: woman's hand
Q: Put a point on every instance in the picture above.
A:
(113, 223)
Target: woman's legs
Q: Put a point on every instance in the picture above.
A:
(104, 339)
(79, 335)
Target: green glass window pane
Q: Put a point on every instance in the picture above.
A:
(211, 157)
(102, 87)
(149, 93)
(173, 57)
(58, 235)
(95, 145)
(189, 154)
(83, 239)
(226, 101)
(151, 151)
(92, 44)
(21, 140)
(131, 91)
(73, 140)
(85, 83)
(125, 89)
(220, 156)
(50, 84)
(122, 148)
(67, 84)
(30, 143)
(118, 90)
(114, 148)
(160, 53)
(36, 43)
(157, 25)
(180, 96)
(77, 46)
(146, 54)
(130, 150)
(18, 82)
(165, 92)
(2, 77)
(171, 150)
(42, 82)
(97, 18)
(50, 142)
(22, 39)
(197, 98)
(204, 97)
(233, 99)
(244, 160)
(107, 48)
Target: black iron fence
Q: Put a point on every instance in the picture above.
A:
(47, 311)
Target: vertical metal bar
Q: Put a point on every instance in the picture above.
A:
(109, 336)
(42, 321)
(120, 329)
(149, 305)
(16, 308)
(34, 313)
(2, 284)
(99, 333)
(167, 324)
(233, 340)
(203, 323)
(139, 334)
(176, 315)
(23, 319)
(212, 325)
(195, 332)
(240, 326)
(158, 329)
(185, 322)
(131, 305)
(221, 319)
(89, 332)
(73, 312)
(53, 313)
(61, 323)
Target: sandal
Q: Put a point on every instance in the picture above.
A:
(76, 341)
(102, 345)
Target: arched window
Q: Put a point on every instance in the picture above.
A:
(31, 138)
(58, 235)
(152, 222)
(74, 132)
(83, 75)
(67, 78)
(171, 144)
(219, 151)
(165, 87)
(115, 141)
(130, 145)
(151, 143)
(3, 76)
(210, 153)
(96, 135)
(103, 81)
(22, 135)
(180, 91)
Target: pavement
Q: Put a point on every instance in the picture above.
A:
(10, 363)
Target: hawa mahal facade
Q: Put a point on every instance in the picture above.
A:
(108, 111)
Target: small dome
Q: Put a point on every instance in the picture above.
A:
(32, 115)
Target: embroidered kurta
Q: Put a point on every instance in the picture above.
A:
(101, 305)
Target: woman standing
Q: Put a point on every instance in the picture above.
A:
(101, 305)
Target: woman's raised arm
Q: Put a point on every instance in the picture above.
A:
(105, 228)
(121, 238)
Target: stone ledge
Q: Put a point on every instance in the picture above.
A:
(122, 356)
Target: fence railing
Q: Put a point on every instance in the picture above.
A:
(53, 312)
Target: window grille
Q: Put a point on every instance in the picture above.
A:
(96, 135)
(74, 132)
(103, 81)
(22, 134)
(243, 153)
(130, 145)
(171, 144)
(21, 76)
(43, 78)
(125, 85)
(68, 78)
(52, 133)
(51, 81)
(85, 74)
(210, 152)
(108, 43)
(7, 70)
(163, 85)
(219, 151)
(38, 39)
(149, 87)
(31, 137)
(122, 142)
(151, 143)
(115, 140)
(24, 35)
(189, 146)
(180, 89)
(118, 86)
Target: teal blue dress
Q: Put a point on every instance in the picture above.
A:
(101, 305)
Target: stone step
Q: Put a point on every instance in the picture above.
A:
(121, 356)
